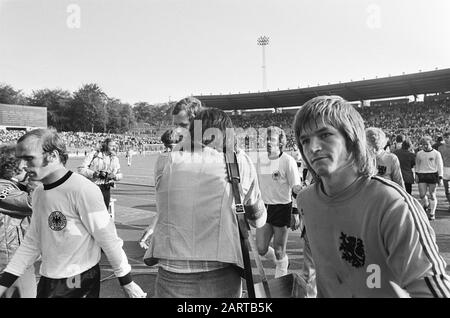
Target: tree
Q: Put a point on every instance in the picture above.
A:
(142, 112)
(57, 102)
(8, 95)
(88, 109)
(127, 118)
(120, 116)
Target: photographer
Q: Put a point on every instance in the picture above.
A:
(103, 168)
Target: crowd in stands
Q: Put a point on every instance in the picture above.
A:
(81, 142)
(412, 120)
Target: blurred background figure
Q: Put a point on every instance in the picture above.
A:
(407, 159)
(129, 156)
(444, 149)
(15, 213)
(169, 138)
(387, 163)
(429, 171)
(397, 143)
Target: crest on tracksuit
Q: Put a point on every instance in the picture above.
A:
(276, 175)
(381, 170)
(352, 249)
(57, 221)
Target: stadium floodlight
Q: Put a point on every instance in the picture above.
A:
(263, 41)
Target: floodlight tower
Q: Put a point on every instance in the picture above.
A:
(263, 41)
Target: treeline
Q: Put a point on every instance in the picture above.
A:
(88, 109)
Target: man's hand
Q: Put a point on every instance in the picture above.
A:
(143, 244)
(132, 290)
(297, 188)
(295, 221)
(441, 183)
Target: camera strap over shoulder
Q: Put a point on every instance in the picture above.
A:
(93, 158)
(245, 235)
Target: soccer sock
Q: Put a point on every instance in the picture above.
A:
(433, 204)
(281, 267)
(425, 202)
(270, 255)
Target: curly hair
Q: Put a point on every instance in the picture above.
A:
(191, 105)
(376, 138)
(9, 164)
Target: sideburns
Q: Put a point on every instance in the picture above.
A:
(45, 160)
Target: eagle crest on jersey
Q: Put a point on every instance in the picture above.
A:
(57, 221)
(352, 250)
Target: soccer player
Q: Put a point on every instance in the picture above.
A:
(364, 231)
(429, 173)
(444, 149)
(278, 176)
(388, 164)
(129, 156)
(69, 226)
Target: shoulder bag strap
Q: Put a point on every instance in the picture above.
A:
(247, 242)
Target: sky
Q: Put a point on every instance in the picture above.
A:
(159, 50)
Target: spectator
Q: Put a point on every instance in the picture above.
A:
(438, 143)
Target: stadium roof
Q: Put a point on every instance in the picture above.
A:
(387, 87)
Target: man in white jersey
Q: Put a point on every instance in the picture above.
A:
(129, 156)
(445, 152)
(429, 171)
(366, 233)
(70, 224)
(278, 177)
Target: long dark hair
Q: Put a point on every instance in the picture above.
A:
(215, 124)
